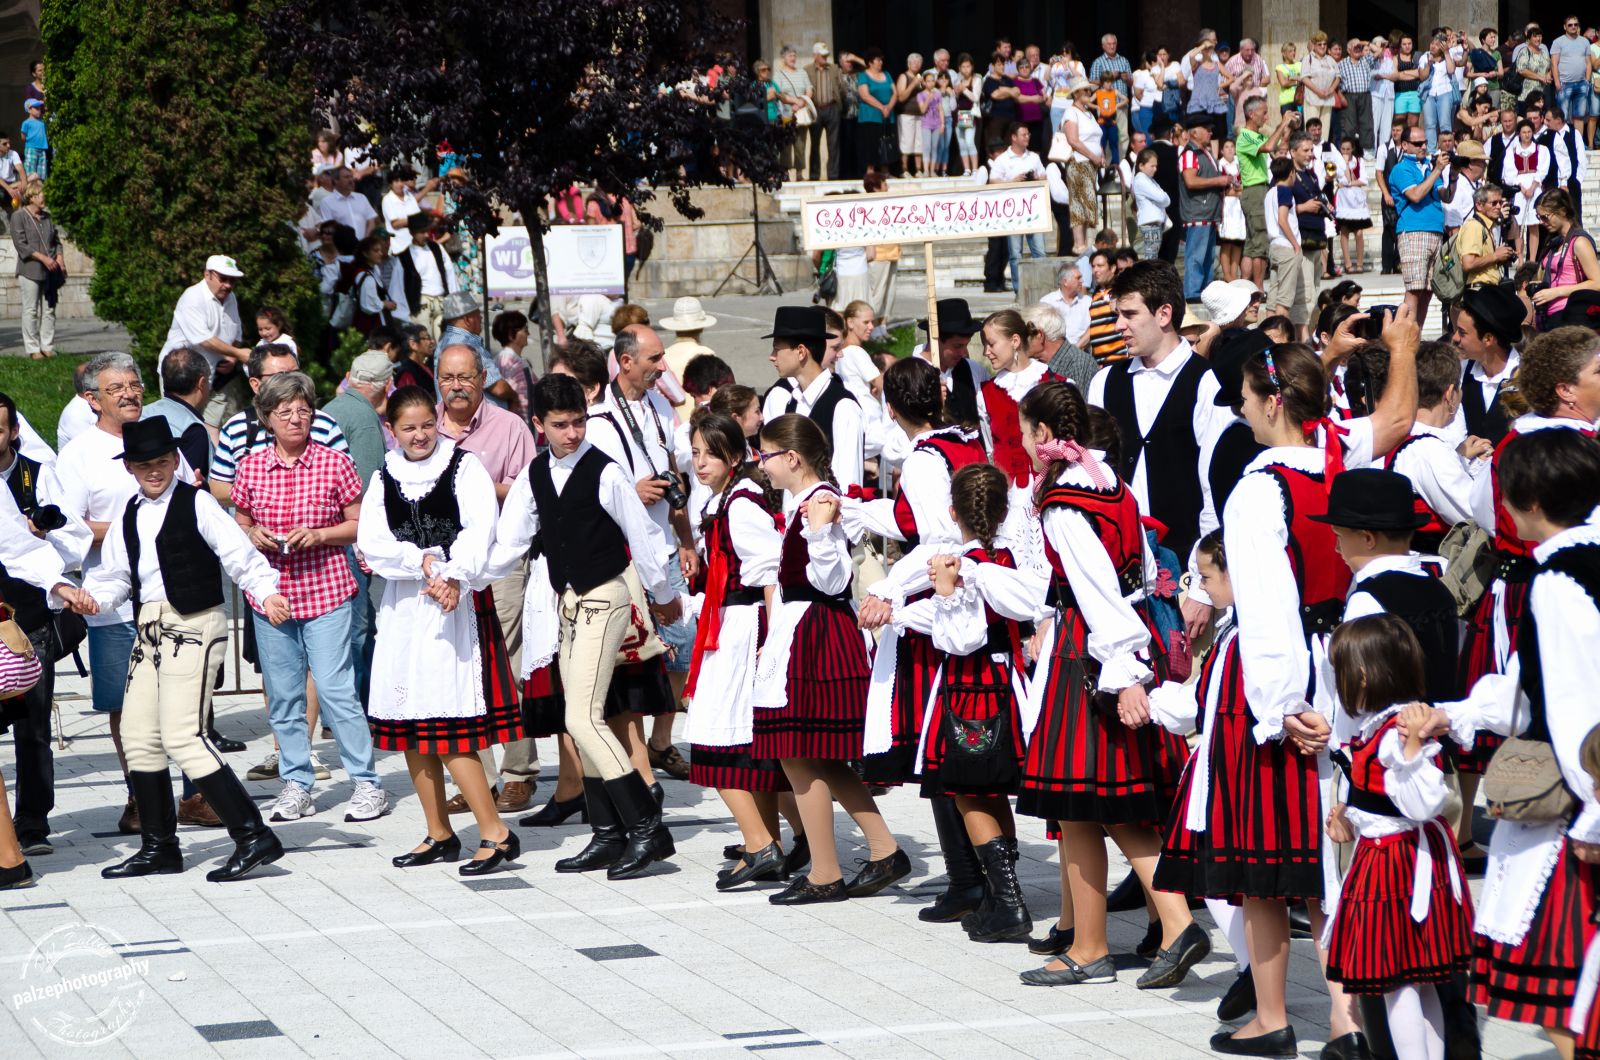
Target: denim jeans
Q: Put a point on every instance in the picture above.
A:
(109, 648)
(1035, 241)
(1199, 255)
(1437, 113)
(1574, 100)
(1140, 118)
(325, 645)
(361, 626)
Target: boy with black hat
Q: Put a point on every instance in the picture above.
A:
(960, 375)
(800, 339)
(166, 554)
(1486, 332)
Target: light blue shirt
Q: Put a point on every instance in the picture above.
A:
(1424, 216)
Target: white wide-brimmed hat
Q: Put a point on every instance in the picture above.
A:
(688, 315)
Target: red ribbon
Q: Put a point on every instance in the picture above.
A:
(861, 493)
(1332, 450)
(1073, 453)
(710, 627)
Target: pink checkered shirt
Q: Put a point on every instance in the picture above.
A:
(311, 492)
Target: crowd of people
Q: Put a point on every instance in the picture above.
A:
(1271, 618)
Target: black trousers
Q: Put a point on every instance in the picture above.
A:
(1170, 239)
(1390, 261)
(825, 127)
(996, 260)
(35, 794)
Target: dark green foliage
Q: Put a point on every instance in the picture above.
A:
(171, 144)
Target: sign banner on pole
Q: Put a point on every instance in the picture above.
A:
(834, 221)
(582, 259)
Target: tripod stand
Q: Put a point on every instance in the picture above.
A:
(766, 280)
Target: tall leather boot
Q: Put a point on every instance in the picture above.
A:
(254, 842)
(648, 838)
(964, 890)
(608, 840)
(1007, 916)
(158, 829)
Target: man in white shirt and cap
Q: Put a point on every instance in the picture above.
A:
(207, 318)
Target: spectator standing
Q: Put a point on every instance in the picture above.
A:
(794, 99)
(1065, 68)
(1419, 221)
(1533, 65)
(1247, 60)
(327, 155)
(1319, 78)
(1287, 287)
(463, 325)
(1254, 149)
(1382, 90)
(35, 142)
(185, 387)
(1048, 346)
(1108, 61)
(1146, 96)
(1436, 89)
(1484, 256)
(511, 334)
(430, 275)
(299, 501)
(1208, 88)
(1151, 204)
(1355, 81)
(207, 318)
(1072, 302)
(875, 141)
(998, 101)
(1200, 202)
(77, 415)
(1569, 62)
(1106, 100)
(908, 121)
(1032, 101)
(347, 206)
(41, 270)
(1018, 163)
(357, 411)
(1106, 344)
(688, 322)
(828, 92)
(400, 206)
(245, 434)
(1568, 265)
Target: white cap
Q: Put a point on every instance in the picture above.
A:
(1224, 303)
(223, 265)
(819, 48)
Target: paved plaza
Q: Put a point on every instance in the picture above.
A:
(333, 952)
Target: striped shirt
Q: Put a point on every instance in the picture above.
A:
(243, 435)
(1106, 344)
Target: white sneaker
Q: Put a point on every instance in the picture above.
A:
(367, 803)
(267, 770)
(318, 770)
(294, 802)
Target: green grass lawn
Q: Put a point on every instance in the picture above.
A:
(902, 340)
(41, 389)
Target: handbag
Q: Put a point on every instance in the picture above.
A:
(640, 643)
(806, 112)
(1524, 783)
(827, 285)
(66, 631)
(343, 313)
(1060, 148)
(20, 667)
(1339, 102)
(978, 752)
(1470, 563)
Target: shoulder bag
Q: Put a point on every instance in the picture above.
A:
(20, 667)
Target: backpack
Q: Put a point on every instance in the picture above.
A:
(1161, 600)
(1449, 278)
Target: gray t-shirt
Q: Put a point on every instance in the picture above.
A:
(1570, 55)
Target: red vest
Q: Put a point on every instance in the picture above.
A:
(1005, 430)
(958, 449)
(1320, 573)
(1114, 514)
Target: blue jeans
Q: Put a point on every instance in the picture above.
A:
(361, 626)
(109, 648)
(325, 645)
(1573, 98)
(1108, 142)
(939, 150)
(1199, 255)
(679, 637)
(1437, 114)
(1140, 117)
(1035, 241)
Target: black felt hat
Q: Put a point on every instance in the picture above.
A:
(147, 439)
(1227, 364)
(955, 318)
(807, 324)
(1370, 498)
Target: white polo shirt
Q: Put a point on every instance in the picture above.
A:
(199, 316)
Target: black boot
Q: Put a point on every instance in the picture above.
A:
(254, 843)
(158, 829)
(963, 892)
(1007, 916)
(648, 838)
(605, 846)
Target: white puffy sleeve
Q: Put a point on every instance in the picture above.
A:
(756, 540)
(827, 557)
(1116, 633)
(387, 555)
(1415, 785)
(470, 552)
(515, 530)
(1569, 630)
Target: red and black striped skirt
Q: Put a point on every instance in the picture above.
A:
(1263, 836)
(1588, 1045)
(1477, 659)
(1536, 980)
(916, 662)
(501, 721)
(1376, 945)
(735, 768)
(827, 684)
(1082, 763)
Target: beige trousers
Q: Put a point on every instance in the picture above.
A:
(170, 673)
(430, 314)
(593, 626)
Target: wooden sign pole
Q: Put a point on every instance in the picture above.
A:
(933, 303)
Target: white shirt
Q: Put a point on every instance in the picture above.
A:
(925, 484)
(31, 444)
(10, 163)
(1488, 385)
(77, 416)
(71, 542)
(1074, 314)
(609, 433)
(199, 316)
(1559, 148)
(25, 557)
(95, 487)
(519, 523)
(432, 283)
(353, 210)
(1011, 166)
(1460, 207)
(1437, 473)
(849, 438)
(1150, 389)
(109, 583)
(399, 208)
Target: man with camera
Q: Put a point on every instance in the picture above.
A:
(632, 424)
(1419, 224)
(36, 490)
(1485, 259)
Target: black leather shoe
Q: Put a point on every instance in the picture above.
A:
(158, 829)
(639, 812)
(224, 744)
(606, 844)
(733, 852)
(1280, 1043)
(798, 857)
(803, 892)
(1056, 941)
(1172, 965)
(512, 847)
(964, 893)
(437, 850)
(1127, 896)
(17, 877)
(1005, 914)
(556, 812)
(1352, 1046)
(764, 864)
(255, 844)
(1150, 945)
(876, 875)
(1240, 1000)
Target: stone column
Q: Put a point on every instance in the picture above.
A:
(1469, 16)
(1274, 23)
(800, 23)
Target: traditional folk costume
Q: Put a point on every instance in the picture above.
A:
(1535, 913)
(1000, 427)
(1404, 912)
(166, 556)
(1524, 173)
(442, 682)
(1428, 458)
(743, 544)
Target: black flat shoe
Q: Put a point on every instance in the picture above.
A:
(1056, 941)
(437, 850)
(513, 847)
(16, 877)
(1172, 965)
(1352, 1046)
(1280, 1043)
(1240, 1000)
(224, 744)
(876, 875)
(798, 857)
(803, 892)
(764, 864)
(556, 812)
(1150, 945)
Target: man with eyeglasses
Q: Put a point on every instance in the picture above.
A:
(1419, 220)
(1569, 64)
(1484, 258)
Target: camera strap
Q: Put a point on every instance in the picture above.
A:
(638, 435)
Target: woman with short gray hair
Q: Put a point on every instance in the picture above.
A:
(281, 389)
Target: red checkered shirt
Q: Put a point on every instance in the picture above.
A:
(311, 492)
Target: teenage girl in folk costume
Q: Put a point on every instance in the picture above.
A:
(742, 546)
(1094, 764)
(1536, 910)
(811, 678)
(1006, 337)
(1402, 921)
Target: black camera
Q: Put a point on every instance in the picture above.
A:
(673, 494)
(1371, 329)
(47, 517)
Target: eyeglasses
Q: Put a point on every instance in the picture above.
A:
(294, 415)
(762, 458)
(116, 390)
(458, 380)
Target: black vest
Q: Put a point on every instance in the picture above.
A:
(1581, 563)
(411, 282)
(582, 544)
(28, 600)
(1489, 421)
(1422, 602)
(1236, 447)
(432, 521)
(961, 404)
(822, 412)
(189, 569)
(1172, 454)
